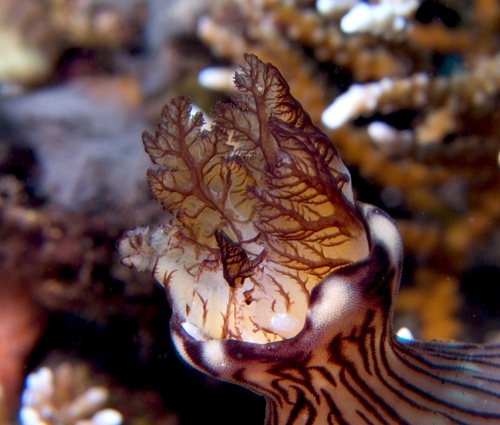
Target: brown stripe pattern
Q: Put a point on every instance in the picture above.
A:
(346, 367)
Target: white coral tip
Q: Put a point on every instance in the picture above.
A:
(344, 108)
(42, 380)
(39, 387)
(30, 416)
(331, 7)
(107, 417)
(217, 78)
(359, 19)
(88, 402)
(388, 15)
(382, 133)
(95, 396)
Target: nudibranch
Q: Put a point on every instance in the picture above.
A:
(280, 282)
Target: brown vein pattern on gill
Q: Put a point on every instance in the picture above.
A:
(262, 210)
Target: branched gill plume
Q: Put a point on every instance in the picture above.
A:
(262, 210)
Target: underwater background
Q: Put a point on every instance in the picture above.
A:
(414, 87)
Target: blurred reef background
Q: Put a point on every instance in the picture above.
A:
(407, 90)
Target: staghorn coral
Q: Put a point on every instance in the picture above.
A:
(91, 23)
(470, 91)
(36, 34)
(25, 46)
(64, 395)
(247, 199)
(382, 18)
(55, 263)
(66, 390)
(288, 208)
